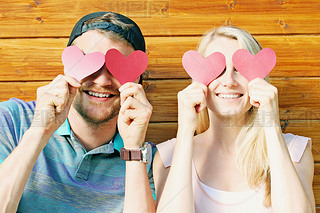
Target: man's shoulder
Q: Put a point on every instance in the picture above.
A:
(14, 104)
(16, 110)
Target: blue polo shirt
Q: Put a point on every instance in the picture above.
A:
(66, 178)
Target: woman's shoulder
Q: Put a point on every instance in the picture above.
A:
(296, 145)
(165, 150)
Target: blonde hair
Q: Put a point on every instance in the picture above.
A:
(252, 158)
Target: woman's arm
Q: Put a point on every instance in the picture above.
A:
(291, 186)
(305, 170)
(177, 193)
(160, 174)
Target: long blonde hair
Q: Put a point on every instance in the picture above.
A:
(252, 157)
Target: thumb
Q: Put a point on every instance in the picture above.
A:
(72, 93)
(254, 103)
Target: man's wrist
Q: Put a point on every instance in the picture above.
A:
(133, 143)
(143, 154)
(40, 132)
(36, 137)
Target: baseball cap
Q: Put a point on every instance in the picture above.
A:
(133, 35)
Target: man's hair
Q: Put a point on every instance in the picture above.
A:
(127, 29)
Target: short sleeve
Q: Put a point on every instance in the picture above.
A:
(296, 146)
(166, 150)
(15, 119)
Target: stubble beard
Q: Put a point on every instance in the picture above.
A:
(84, 112)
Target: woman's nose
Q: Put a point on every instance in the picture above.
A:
(228, 78)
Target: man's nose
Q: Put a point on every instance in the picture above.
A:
(103, 77)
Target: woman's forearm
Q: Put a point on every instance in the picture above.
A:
(177, 195)
(287, 191)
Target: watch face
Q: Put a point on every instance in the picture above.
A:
(147, 153)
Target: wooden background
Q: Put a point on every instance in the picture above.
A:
(34, 33)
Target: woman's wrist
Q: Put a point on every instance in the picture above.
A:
(186, 130)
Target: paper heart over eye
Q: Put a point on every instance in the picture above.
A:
(78, 65)
(203, 70)
(126, 69)
(254, 66)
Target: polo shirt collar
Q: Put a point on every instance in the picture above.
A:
(65, 130)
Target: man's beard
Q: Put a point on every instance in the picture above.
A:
(84, 112)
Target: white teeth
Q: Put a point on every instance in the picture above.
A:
(230, 96)
(99, 95)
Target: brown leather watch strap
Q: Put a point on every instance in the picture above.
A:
(129, 155)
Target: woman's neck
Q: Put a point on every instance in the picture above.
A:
(224, 130)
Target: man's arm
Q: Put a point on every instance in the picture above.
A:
(133, 121)
(138, 195)
(16, 168)
(53, 104)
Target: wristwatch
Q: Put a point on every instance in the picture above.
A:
(143, 154)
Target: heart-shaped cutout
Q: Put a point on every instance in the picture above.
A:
(203, 70)
(254, 66)
(126, 69)
(78, 65)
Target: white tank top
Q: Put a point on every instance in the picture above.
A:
(208, 199)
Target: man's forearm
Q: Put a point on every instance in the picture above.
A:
(16, 168)
(138, 195)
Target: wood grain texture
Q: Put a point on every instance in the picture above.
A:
(316, 184)
(40, 59)
(296, 55)
(48, 18)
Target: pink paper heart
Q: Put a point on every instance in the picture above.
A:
(254, 66)
(78, 65)
(126, 69)
(201, 69)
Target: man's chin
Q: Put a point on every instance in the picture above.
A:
(96, 113)
(98, 120)
(96, 117)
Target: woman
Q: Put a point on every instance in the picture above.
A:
(238, 161)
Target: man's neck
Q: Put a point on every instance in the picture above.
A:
(91, 136)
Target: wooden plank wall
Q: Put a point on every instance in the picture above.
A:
(34, 33)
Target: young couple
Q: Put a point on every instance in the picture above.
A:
(62, 152)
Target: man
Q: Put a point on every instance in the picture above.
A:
(61, 154)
